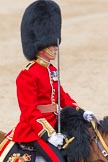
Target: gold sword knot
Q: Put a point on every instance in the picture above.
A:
(67, 142)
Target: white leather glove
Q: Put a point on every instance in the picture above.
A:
(56, 139)
(88, 115)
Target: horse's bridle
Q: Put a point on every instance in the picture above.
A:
(100, 141)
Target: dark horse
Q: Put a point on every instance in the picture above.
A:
(90, 142)
(86, 145)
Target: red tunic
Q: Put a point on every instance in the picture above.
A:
(35, 86)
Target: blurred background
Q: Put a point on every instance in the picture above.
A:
(83, 55)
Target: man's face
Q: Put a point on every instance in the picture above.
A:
(48, 53)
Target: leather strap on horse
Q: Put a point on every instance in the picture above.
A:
(47, 108)
(99, 136)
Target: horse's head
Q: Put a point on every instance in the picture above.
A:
(73, 125)
(84, 146)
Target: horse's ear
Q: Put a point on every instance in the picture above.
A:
(81, 112)
(104, 125)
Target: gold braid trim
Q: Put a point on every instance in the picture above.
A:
(67, 142)
(46, 127)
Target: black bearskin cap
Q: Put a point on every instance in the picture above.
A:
(40, 27)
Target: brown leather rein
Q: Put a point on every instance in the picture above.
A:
(100, 141)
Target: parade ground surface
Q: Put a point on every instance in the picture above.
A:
(83, 55)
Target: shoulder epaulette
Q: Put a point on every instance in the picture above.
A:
(27, 67)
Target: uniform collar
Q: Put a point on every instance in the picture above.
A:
(42, 61)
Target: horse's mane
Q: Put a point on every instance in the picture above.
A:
(104, 125)
(73, 124)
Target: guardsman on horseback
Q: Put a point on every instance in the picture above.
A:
(37, 84)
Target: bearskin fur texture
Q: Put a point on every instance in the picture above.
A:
(40, 27)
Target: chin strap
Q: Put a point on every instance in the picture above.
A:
(47, 50)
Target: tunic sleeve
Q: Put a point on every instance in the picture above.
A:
(27, 98)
